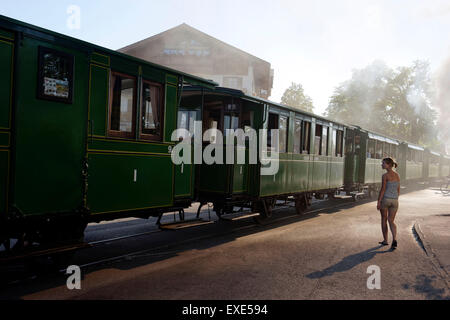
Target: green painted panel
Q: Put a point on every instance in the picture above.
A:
(50, 138)
(172, 79)
(336, 172)
(445, 170)
(125, 146)
(320, 173)
(184, 174)
(413, 170)
(6, 66)
(170, 115)
(240, 175)
(121, 191)
(240, 171)
(220, 182)
(4, 139)
(433, 171)
(4, 169)
(373, 172)
(153, 74)
(7, 35)
(100, 58)
(98, 100)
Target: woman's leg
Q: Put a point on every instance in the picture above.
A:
(384, 227)
(392, 225)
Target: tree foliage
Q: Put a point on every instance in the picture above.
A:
(295, 97)
(396, 102)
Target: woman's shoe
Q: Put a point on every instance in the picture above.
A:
(394, 245)
(384, 243)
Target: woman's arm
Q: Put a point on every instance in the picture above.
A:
(382, 190)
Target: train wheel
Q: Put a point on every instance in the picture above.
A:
(332, 195)
(300, 204)
(266, 206)
(319, 196)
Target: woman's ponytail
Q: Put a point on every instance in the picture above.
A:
(391, 162)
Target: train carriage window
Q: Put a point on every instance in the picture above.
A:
(297, 135)
(273, 124)
(357, 143)
(318, 140)
(394, 151)
(339, 142)
(378, 149)
(152, 102)
(280, 123)
(349, 142)
(122, 109)
(283, 133)
(387, 150)
(55, 80)
(333, 142)
(186, 120)
(419, 156)
(306, 134)
(371, 148)
(324, 147)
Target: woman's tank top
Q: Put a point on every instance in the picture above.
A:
(391, 190)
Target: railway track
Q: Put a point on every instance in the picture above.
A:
(171, 248)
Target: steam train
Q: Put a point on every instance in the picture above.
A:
(86, 136)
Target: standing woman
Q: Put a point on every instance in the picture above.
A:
(388, 200)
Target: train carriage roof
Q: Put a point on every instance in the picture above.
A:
(48, 35)
(435, 153)
(242, 95)
(415, 147)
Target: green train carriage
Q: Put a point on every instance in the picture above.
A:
(434, 165)
(412, 165)
(445, 166)
(85, 135)
(363, 154)
(311, 160)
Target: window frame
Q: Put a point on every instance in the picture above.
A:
(116, 133)
(40, 83)
(149, 136)
(306, 138)
(325, 129)
(339, 142)
(286, 135)
(298, 136)
(318, 152)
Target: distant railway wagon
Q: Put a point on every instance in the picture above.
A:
(85, 135)
(311, 159)
(412, 164)
(363, 154)
(445, 166)
(434, 164)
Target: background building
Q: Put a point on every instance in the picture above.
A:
(187, 49)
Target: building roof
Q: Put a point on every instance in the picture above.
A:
(186, 27)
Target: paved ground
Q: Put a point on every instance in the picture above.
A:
(434, 234)
(322, 256)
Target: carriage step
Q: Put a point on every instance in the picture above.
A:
(184, 224)
(239, 216)
(343, 197)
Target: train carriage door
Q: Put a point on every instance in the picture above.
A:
(184, 172)
(6, 86)
(50, 127)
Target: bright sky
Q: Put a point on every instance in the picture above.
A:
(316, 43)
